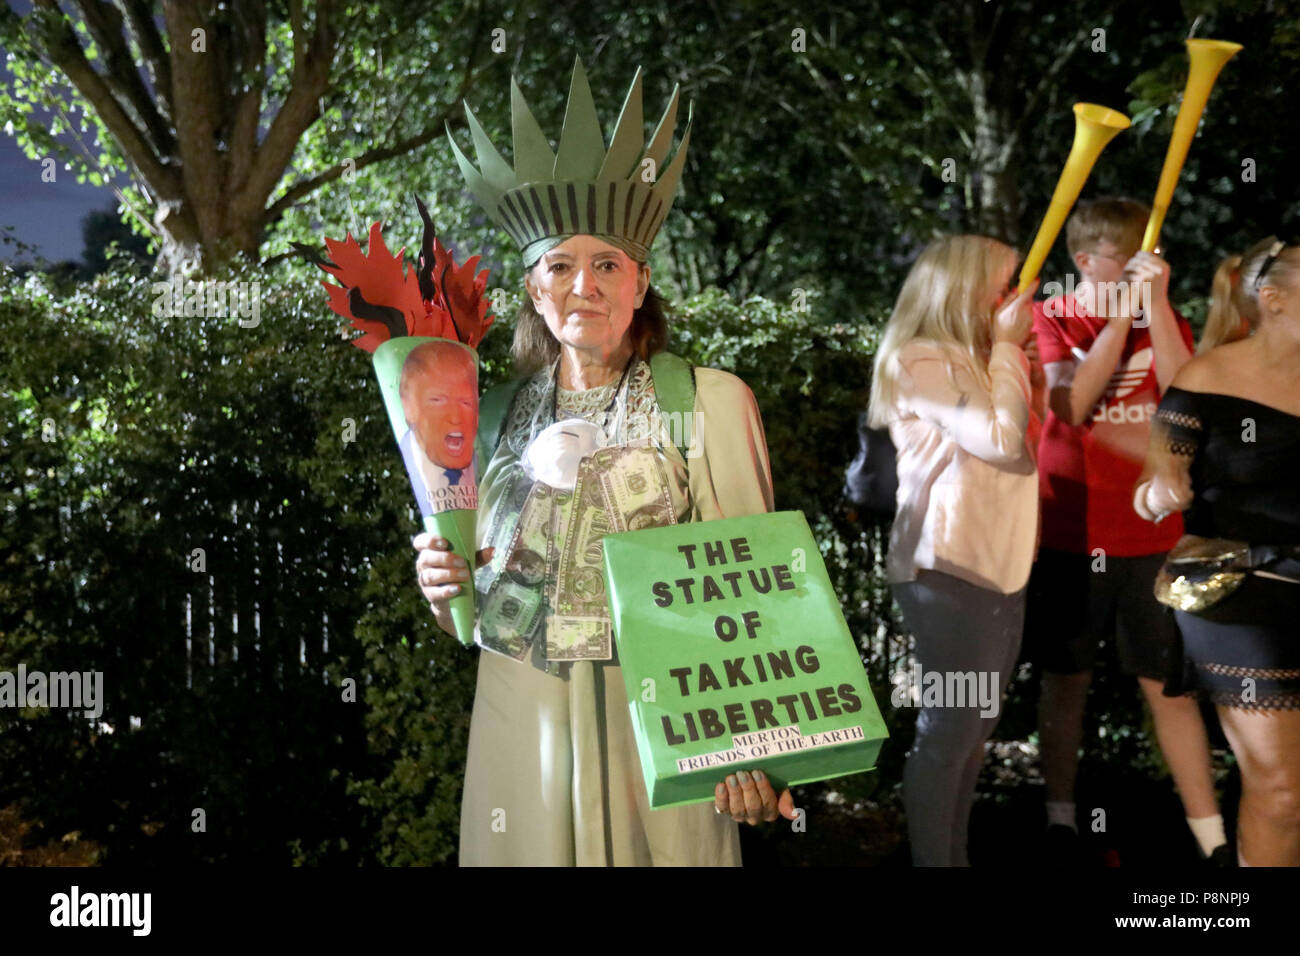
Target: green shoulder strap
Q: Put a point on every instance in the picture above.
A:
(492, 410)
(674, 384)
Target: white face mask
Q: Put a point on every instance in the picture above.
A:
(553, 456)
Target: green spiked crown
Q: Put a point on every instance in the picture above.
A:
(620, 195)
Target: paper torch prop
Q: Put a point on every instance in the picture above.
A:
(422, 327)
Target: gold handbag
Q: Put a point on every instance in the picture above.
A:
(1200, 572)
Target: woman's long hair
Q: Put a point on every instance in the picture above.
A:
(1232, 313)
(536, 348)
(945, 298)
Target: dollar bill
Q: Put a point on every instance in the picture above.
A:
(580, 573)
(499, 534)
(621, 488)
(577, 639)
(561, 512)
(579, 629)
(634, 486)
(509, 621)
(515, 603)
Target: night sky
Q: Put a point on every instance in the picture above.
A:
(46, 215)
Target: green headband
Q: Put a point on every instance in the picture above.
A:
(620, 195)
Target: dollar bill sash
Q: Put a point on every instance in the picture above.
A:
(546, 576)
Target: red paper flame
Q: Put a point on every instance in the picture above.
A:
(392, 300)
(458, 296)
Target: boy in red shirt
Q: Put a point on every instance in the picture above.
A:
(1106, 371)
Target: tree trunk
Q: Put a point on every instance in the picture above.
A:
(184, 247)
(195, 147)
(997, 197)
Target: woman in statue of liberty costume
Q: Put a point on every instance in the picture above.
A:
(590, 442)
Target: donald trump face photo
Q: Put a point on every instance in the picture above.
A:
(439, 391)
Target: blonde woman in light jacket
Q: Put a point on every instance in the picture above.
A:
(955, 387)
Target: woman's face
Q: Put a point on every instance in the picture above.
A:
(587, 290)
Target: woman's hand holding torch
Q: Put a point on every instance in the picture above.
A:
(443, 574)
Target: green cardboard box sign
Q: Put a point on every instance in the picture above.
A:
(735, 655)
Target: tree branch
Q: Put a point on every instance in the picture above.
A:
(744, 257)
(993, 31)
(225, 72)
(104, 24)
(297, 28)
(301, 107)
(248, 110)
(380, 153)
(64, 52)
(370, 157)
(145, 33)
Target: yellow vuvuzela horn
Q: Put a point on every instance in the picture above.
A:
(1094, 127)
(1208, 57)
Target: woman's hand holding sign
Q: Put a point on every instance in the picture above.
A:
(749, 798)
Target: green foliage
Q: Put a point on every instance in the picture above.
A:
(168, 435)
(814, 169)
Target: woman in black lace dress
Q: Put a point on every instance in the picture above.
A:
(1228, 454)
